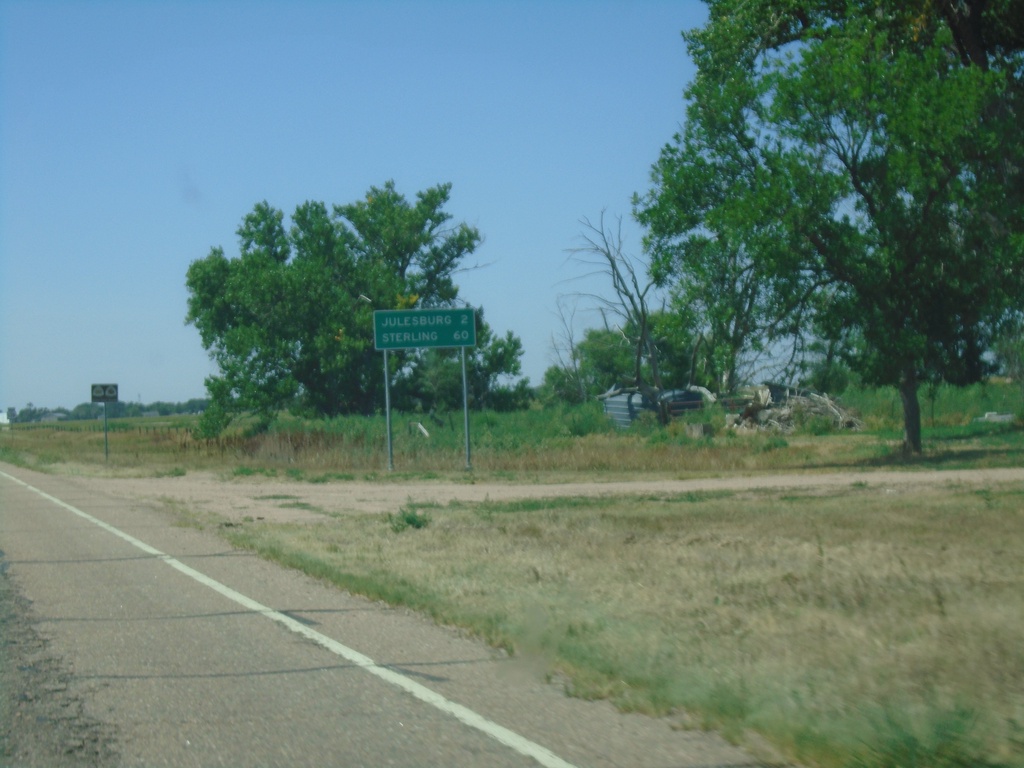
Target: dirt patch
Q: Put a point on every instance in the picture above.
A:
(285, 500)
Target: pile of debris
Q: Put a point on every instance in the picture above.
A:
(782, 409)
(769, 407)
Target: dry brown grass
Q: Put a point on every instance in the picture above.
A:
(142, 447)
(804, 617)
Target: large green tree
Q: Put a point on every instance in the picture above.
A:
(289, 321)
(712, 230)
(853, 170)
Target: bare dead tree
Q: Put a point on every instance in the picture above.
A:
(602, 250)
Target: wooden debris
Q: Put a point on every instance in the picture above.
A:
(761, 413)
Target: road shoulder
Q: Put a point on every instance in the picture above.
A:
(42, 717)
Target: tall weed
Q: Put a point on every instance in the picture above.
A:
(553, 439)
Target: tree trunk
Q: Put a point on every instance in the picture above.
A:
(911, 411)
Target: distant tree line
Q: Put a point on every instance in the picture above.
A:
(118, 410)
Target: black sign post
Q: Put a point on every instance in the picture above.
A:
(105, 393)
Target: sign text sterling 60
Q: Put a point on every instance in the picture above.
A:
(414, 328)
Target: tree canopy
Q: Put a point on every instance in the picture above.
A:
(850, 172)
(289, 321)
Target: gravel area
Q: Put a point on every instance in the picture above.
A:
(285, 500)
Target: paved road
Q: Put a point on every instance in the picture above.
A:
(189, 653)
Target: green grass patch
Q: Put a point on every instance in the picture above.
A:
(301, 505)
(331, 477)
(253, 472)
(172, 472)
(410, 516)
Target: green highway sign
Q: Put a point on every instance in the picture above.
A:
(414, 328)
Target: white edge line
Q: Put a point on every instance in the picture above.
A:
(465, 715)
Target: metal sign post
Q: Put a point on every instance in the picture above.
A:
(417, 329)
(465, 408)
(104, 393)
(387, 411)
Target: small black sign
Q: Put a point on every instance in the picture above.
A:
(104, 393)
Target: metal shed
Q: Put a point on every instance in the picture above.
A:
(624, 407)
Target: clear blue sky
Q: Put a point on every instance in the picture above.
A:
(134, 136)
